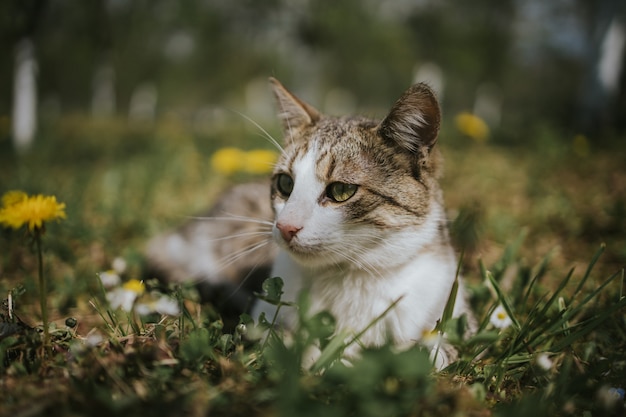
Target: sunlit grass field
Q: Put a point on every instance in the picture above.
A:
(542, 229)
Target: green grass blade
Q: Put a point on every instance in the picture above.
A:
(541, 270)
(331, 352)
(541, 317)
(588, 326)
(589, 269)
(449, 309)
(502, 299)
(555, 325)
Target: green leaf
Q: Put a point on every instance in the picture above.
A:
(321, 326)
(197, 346)
(272, 290)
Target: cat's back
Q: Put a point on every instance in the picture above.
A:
(222, 247)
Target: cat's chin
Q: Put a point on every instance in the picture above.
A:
(309, 256)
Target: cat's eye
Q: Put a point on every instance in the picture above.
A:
(340, 191)
(284, 184)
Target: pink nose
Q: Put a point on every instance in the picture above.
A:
(287, 231)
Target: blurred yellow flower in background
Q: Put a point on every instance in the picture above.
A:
(472, 126)
(228, 161)
(259, 161)
(19, 209)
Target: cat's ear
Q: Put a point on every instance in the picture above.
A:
(413, 122)
(293, 112)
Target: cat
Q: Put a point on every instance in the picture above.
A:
(353, 213)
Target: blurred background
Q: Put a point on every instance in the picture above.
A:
(117, 107)
(519, 65)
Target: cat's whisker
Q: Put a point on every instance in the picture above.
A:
(369, 267)
(357, 259)
(245, 279)
(361, 252)
(229, 260)
(265, 134)
(375, 239)
(250, 219)
(242, 235)
(233, 218)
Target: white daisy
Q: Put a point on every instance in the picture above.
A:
(544, 361)
(119, 265)
(499, 318)
(109, 278)
(161, 305)
(124, 297)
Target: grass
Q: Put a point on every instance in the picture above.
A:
(541, 228)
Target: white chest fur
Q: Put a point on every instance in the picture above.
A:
(356, 298)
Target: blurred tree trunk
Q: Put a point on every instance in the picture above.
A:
(24, 119)
(24, 108)
(604, 85)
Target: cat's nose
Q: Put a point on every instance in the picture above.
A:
(287, 231)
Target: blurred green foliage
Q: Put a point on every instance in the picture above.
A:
(539, 59)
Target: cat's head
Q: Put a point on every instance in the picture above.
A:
(354, 192)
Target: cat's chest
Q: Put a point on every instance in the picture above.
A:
(401, 303)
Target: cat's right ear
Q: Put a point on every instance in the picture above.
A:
(293, 112)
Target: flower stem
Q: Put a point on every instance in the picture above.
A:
(43, 293)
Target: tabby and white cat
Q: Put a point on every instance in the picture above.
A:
(354, 214)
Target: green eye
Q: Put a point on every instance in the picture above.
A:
(340, 192)
(284, 184)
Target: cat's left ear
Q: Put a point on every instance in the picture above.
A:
(294, 113)
(413, 122)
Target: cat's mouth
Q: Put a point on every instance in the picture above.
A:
(299, 249)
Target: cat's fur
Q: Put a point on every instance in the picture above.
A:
(387, 242)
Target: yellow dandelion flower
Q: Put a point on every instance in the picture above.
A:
(472, 126)
(227, 161)
(259, 161)
(19, 210)
(13, 197)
